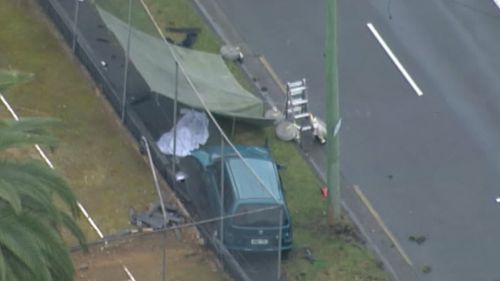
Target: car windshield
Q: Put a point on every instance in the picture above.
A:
(247, 185)
(259, 215)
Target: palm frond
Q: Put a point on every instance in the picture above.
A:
(70, 224)
(3, 267)
(10, 195)
(50, 178)
(24, 245)
(27, 131)
(35, 194)
(12, 77)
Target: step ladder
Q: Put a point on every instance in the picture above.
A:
(296, 105)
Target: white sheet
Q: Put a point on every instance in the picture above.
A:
(192, 131)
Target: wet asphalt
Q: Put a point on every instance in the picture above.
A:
(428, 164)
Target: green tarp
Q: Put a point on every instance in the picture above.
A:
(208, 72)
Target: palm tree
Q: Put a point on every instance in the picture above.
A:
(31, 245)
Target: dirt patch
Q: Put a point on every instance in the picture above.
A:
(142, 256)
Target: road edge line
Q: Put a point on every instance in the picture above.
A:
(379, 220)
(273, 74)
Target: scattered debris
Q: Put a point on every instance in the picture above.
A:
(153, 217)
(191, 34)
(417, 239)
(104, 64)
(308, 255)
(426, 269)
(232, 53)
(319, 128)
(83, 266)
(324, 191)
(287, 131)
(498, 199)
(275, 114)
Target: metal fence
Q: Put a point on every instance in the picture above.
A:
(149, 116)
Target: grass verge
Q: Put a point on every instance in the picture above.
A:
(96, 155)
(339, 252)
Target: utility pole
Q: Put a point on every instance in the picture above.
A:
(332, 114)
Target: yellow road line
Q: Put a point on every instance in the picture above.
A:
(382, 224)
(273, 74)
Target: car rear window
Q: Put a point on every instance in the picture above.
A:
(258, 215)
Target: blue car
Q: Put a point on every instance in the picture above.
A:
(251, 210)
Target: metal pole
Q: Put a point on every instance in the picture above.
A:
(75, 22)
(222, 192)
(162, 204)
(332, 114)
(280, 235)
(233, 127)
(127, 56)
(176, 93)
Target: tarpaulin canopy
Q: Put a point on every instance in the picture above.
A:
(208, 72)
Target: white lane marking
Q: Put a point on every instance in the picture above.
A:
(128, 273)
(44, 156)
(394, 58)
(497, 2)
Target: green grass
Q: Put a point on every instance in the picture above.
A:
(95, 155)
(340, 254)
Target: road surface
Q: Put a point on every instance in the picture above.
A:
(428, 164)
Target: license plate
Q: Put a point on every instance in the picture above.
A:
(259, 241)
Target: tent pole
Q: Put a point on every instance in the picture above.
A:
(233, 127)
(127, 56)
(176, 92)
(222, 192)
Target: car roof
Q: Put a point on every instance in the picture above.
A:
(247, 186)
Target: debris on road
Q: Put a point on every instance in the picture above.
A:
(417, 239)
